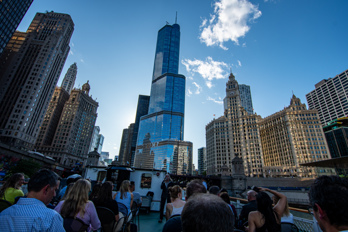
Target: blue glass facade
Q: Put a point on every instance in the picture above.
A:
(161, 131)
(12, 13)
(167, 51)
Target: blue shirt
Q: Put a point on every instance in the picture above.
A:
(126, 200)
(62, 192)
(30, 214)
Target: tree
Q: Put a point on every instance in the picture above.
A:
(28, 167)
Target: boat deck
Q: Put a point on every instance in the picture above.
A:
(149, 222)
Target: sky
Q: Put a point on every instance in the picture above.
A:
(277, 47)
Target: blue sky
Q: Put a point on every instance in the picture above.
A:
(278, 47)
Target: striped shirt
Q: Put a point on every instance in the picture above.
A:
(30, 214)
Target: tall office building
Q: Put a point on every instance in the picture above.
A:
(291, 137)
(202, 160)
(336, 134)
(236, 134)
(142, 109)
(29, 70)
(70, 77)
(161, 131)
(52, 116)
(12, 13)
(245, 98)
(73, 135)
(330, 98)
(126, 145)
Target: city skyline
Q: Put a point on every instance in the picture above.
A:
(276, 48)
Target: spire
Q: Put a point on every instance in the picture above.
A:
(176, 17)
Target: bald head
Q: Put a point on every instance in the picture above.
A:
(251, 195)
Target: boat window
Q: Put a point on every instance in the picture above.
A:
(146, 179)
(101, 176)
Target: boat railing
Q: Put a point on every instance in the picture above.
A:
(303, 224)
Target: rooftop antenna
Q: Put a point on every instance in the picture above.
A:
(176, 17)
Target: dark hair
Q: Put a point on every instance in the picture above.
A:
(174, 191)
(205, 213)
(95, 191)
(264, 206)
(223, 190)
(42, 178)
(225, 197)
(330, 193)
(214, 190)
(105, 193)
(11, 183)
(195, 186)
(132, 183)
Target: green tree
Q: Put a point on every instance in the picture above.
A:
(28, 167)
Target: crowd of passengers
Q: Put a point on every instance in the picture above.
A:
(201, 210)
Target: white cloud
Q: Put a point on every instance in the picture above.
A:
(229, 22)
(239, 63)
(214, 100)
(189, 92)
(71, 53)
(208, 69)
(82, 61)
(199, 88)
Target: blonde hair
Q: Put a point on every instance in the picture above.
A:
(124, 188)
(174, 191)
(286, 209)
(76, 199)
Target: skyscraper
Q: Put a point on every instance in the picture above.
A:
(12, 13)
(163, 126)
(73, 135)
(202, 160)
(291, 137)
(70, 77)
(142, 109)
(330, 98)
(29, 70)
(126, 145)
(245, 98)
(236, 134)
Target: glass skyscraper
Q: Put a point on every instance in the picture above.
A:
(12, 13)
(161, 131)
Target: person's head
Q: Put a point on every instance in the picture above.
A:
(206, 212)
(275, 200)
(328, 198)
(76, 198)
(251, 195)
(105, 192)
(195, 186)
(132, 186)
(225, 197)
(95, 191)
(167, 177)
(222, 190)
(14, 181)
(43, 185)
(124, 188)
(214, 190)
(175, 192)
(265, 207)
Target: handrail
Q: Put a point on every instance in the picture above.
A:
(291, 208)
